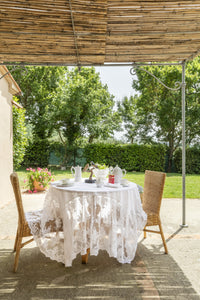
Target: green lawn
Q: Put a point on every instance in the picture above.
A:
(173, 183)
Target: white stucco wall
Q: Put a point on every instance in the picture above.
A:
(6, 143)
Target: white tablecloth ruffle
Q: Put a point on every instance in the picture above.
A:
(104, 218)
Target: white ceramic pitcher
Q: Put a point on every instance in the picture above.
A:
(118, 173)
(77, 173)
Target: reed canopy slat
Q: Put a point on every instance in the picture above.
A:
(98, 32)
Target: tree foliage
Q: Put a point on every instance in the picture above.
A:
(39, 85)
(192, 160)
(83, 109)
(127, 110)
(155, 113)
(19, 135)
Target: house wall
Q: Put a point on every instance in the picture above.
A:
(6, 143)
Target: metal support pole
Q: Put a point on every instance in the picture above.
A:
(183, 146)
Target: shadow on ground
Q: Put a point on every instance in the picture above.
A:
(152, 275)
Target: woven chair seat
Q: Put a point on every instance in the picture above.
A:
(34, 218)
(24, 219)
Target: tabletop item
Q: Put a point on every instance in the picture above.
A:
(111, 178)
(100, 175)
(112, 185)
(118, 173)
(124, 182)
(64, 181)
(77, 173)
(90, 168)
(93, 218)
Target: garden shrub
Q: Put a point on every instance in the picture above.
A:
(37, 153)
(192, 160)
(19, 135)
(131, 157)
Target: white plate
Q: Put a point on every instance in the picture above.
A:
(112, 185)
(65, 184)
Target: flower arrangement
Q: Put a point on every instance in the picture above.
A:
(101, 167)
(101, 171)
(38, 179)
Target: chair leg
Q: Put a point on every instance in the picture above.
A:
(145, 234)
(16, 239)
(85, 257)
(18, 248)
(163, 238)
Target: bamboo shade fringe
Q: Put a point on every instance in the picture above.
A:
(98, 32)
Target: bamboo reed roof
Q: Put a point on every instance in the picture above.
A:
(83, 32)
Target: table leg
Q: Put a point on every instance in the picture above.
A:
(85, 257)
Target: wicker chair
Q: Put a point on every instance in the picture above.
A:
(23, 229)
(152, 197)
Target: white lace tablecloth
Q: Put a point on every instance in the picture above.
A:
(104, 218)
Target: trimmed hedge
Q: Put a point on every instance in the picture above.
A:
(192, 160)
(131, 157)
(37, 154)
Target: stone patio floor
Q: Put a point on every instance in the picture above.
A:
(152, 274)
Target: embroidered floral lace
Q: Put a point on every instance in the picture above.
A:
(84, 216)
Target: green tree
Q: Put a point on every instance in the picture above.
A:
(39, 86)
(83, 109)
(19, 135)
(126, 109)
(156, 111)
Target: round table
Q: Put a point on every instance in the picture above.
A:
(108, 218)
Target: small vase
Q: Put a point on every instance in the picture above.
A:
(37, 186)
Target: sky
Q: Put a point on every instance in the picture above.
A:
(118, 79)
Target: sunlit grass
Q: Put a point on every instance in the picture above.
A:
(173, 183)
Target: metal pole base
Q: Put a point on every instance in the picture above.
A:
(183, 225)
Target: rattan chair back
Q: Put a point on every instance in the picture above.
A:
(23, 229)
(16, 188)
(152, 197)
(153, 191)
